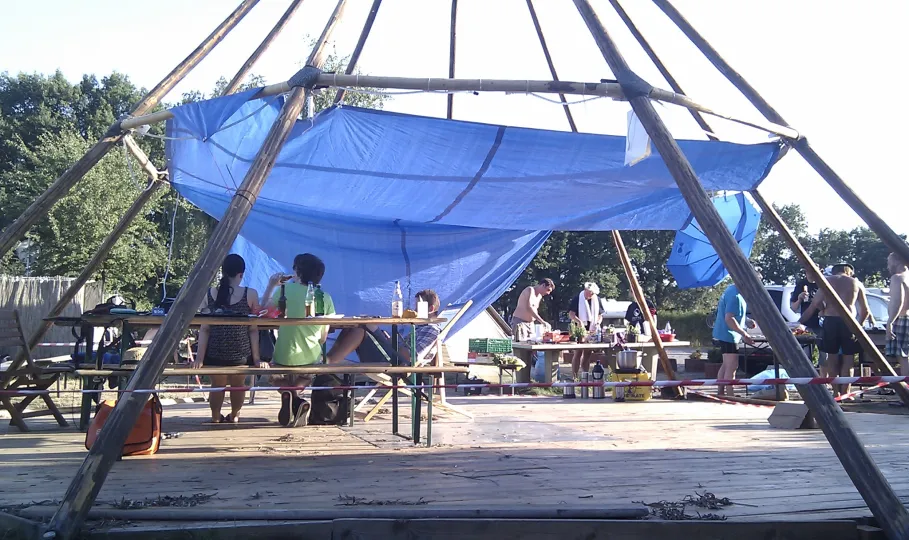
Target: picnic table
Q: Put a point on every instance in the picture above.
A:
(762, 345)
(94, 374)
(553, 351)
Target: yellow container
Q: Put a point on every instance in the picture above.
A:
(635, 393)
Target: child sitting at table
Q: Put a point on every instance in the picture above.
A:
(298, 345)
(373, 345)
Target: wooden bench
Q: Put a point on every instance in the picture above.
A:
(346, 369)
(25, 373)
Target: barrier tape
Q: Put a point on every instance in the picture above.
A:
(73, 344)
(606, 384)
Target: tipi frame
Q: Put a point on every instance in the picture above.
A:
(87, 482)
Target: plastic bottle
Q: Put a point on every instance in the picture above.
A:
(320, 301)
(309, 299)
(397, 302)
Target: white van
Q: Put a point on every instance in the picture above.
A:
(781, 294)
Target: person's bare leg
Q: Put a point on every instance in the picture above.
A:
(348, 341)
(575, 364)
(585, 360)
(237, 397)
(834, 365)
(216, 399)
(721, 374)
(730, 365)
(847, 370)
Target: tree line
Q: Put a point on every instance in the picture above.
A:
(47, 123)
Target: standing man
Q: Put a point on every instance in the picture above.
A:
(728, 332)
(897, 348)
(527, 310)
(800, 300)
(584, 312)
(839, 342)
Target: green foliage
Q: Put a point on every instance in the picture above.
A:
(46, 124)
(689, 325)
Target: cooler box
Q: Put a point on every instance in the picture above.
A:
(635, 393)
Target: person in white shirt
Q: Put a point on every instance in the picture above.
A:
(585, 311)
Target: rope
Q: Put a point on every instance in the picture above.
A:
(170, 249)
(466, 386)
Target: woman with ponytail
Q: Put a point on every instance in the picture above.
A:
(229, 346)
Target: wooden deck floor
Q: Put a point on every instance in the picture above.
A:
(518, 450)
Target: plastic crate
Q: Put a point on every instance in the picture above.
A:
(491, 346)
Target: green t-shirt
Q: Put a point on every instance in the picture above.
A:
(299, 345)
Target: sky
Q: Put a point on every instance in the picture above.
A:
(832, 68)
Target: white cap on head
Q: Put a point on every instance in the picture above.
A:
(592, 287)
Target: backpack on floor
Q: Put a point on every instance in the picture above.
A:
(143, 440)
(328, 407)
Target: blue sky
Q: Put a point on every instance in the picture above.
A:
(832, 68)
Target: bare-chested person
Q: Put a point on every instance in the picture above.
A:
(838, 341)
(526, 312)
(897, 349)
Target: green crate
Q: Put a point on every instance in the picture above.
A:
(489, 346)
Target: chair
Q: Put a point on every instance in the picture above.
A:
(440, 359)
(30, 376)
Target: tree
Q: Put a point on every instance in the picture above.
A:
(771, 252)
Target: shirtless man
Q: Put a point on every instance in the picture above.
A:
(838, 341)
(897, 349)
(525, 313)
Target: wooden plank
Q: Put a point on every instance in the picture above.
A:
(228, 530)
(867, 478)
(479, 529)
(199, 320)
(16, 528)
(525, 346)
(11, 342)
(315, 369)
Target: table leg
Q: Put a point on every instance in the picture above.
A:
(501, 390)
(349, 396)
(527, 357)
(415, 400)
(85, 413)
(394, 381)
(550, 358)
(429, 413)
(776, 374)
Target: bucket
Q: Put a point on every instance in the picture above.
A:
(628, 359)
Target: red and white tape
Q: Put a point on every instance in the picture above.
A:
(73, 344)
(607, 384)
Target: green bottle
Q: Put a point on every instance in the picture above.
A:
(320, 301)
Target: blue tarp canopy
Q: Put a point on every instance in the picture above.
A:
(459, 207)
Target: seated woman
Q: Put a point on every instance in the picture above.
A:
(298, 345)
(372, 345)
(228, 346)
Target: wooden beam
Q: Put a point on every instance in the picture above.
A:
(552, 70)
(235, 83)
(664, 71)
(430, 84)
(771, 215)
(361, 43)
(639, 297)
(89, 479)
(133, 147)
(62, 185)
(867, 478)
(452, 40)
(874, 222)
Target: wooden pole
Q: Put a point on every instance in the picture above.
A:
(771, 215)
(639, 297)
(88, 480)
(235, 83)
(864, 473)
(874, 222)
(153, 174)
(674, 84)
(61, 186)
(452, 40)
(552, 70)
(361, 43)
(606, 89)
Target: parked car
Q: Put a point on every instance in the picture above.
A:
(781, 294)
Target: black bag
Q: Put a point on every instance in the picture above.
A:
(328, 407)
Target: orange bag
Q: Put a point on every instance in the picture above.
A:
(143, 440)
